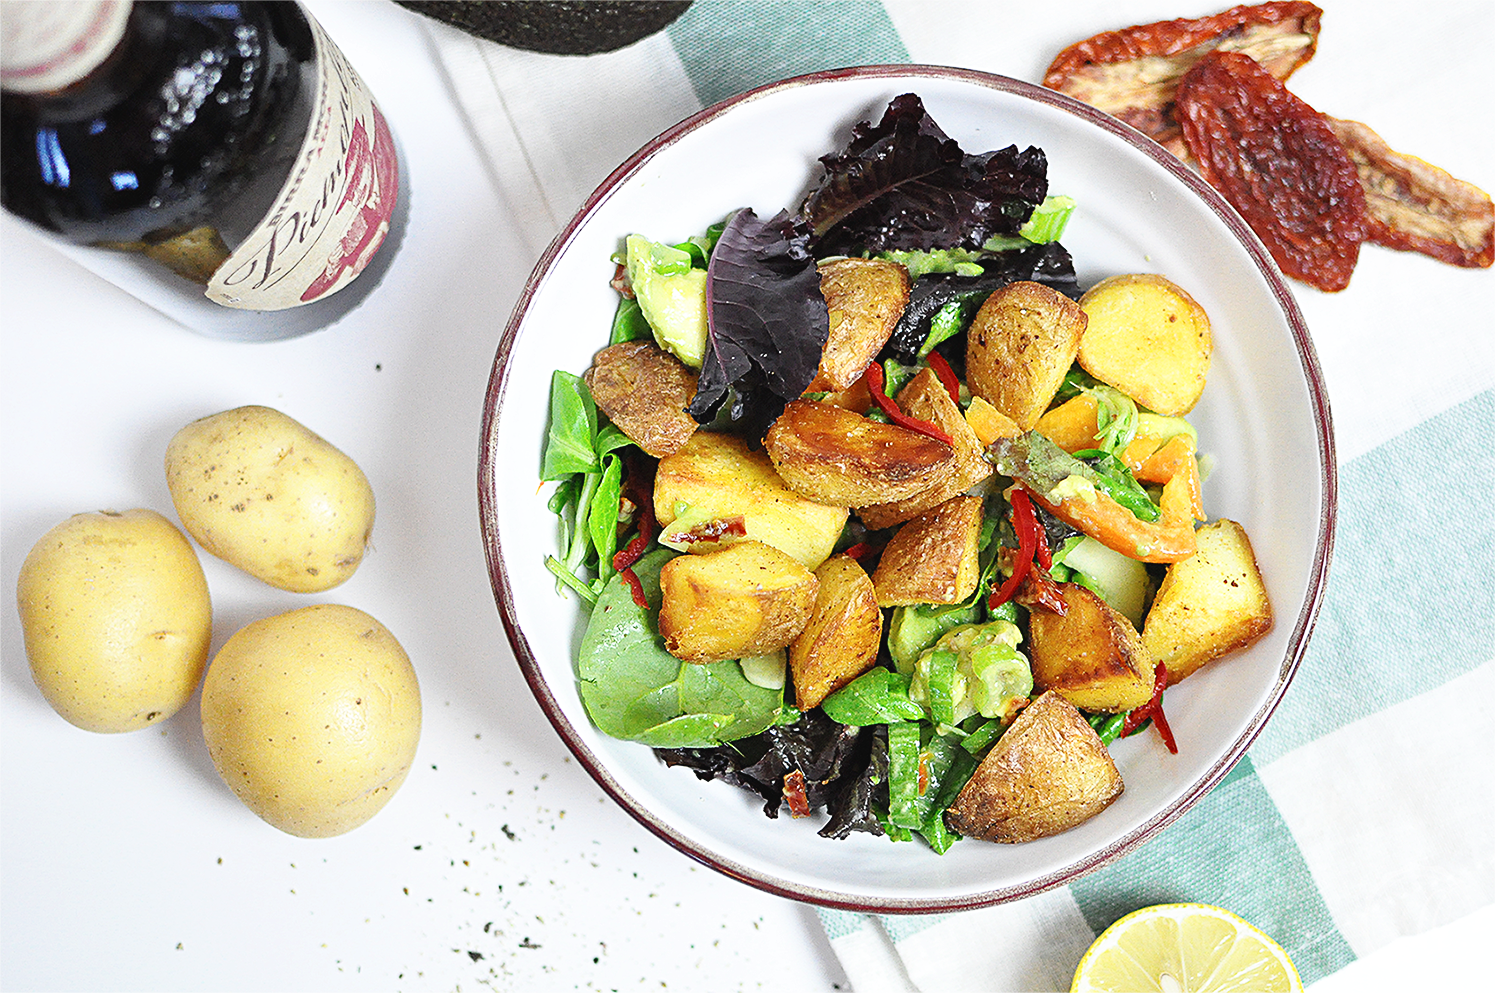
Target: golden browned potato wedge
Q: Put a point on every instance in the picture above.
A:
(1047, 773)
(926, 398)
(933, 558)
(1149, 339)
(746, 599)
(1210, 604)
(716, 477)
(1092, 656)
(645, 391)
(989, 423)
(829, 454)
(865, 298)
(1021, 343)
(841, 640)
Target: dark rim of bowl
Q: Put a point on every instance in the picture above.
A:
(1297, 643)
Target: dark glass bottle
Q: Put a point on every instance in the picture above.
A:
(222, 162)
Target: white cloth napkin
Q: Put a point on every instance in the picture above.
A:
(1363, 814)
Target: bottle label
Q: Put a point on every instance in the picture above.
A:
(334, 210)
(49, 46)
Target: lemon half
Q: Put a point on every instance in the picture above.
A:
(1185, 948)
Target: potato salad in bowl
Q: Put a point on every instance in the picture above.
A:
(883, 514)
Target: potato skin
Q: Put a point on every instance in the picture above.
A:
(262, 492)
(1210, 604)
(865, 298)
(312, 718)
(1092, 656)
(926, 398)
(717, 476)
(1048, 772)
(934, 558)
(1020, 344)
(833, 456)
(747, 599)
(841, 640)
(1148, 338)
(645, 391)
(116, 619)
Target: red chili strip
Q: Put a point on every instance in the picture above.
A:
(942, 369)
(1153, 709)
(1028, 539)
(634, 550)
(630, 553)
(875, 383)
(795, 795)
(631, 578)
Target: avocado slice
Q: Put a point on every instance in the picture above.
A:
(672, 296)
(557, 27)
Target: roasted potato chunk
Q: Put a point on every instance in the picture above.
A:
(746, 599)
(1047, 773)
(645, 391)
(1091, 656)
(715, 477)
(933, 558)
(1149, 339)
(1209, 604)
(1020, 344)
(841, 640)
(831, 455)
(926, 398)
(865, 298)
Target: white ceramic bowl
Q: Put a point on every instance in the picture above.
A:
(1264, 417)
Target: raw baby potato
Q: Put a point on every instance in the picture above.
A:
(116, 619)
(262, 492)
(1149, 339)
(312, 718)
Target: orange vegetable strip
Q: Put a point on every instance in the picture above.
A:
(1168, 539)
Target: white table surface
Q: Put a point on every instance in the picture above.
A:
(127, 864)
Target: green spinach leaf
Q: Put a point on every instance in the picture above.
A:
(635, 690)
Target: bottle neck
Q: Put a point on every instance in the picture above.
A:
(48, 45)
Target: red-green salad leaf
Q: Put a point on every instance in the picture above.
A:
(904, 184)
(766, 320)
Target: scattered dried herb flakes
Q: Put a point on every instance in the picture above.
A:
(1278, 163)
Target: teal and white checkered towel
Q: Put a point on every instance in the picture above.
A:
(1365, 812)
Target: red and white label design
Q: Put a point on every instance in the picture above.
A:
(333, 213)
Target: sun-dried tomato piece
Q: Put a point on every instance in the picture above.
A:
(1132, 73)
(1278, 163)
(1417, 207)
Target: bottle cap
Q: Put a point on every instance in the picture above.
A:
(46, 45)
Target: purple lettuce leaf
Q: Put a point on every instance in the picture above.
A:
(905, 185)
(766, 321)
